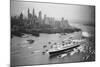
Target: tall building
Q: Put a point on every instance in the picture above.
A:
(21, 16)
(20, 19)
(64, 23)
(40, 16)
(49, 20)
(29, 17)
(57, 24)
(29, 14)
(45, 17)
(33, 12)
(62, 19)
(67, 25)
(34, 17)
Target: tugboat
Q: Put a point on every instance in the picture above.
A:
(65, 48)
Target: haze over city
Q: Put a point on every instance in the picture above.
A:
(70, 12)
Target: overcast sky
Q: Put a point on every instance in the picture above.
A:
(68, 11)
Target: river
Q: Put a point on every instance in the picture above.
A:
(23, 53)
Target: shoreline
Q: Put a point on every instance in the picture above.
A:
(48, 31)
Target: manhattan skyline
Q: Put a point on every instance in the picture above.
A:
(70, 12)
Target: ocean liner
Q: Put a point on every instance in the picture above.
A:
(65, 48)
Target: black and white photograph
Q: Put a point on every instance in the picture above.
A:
(51, 33)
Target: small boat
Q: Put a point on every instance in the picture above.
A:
(26, 35)
(30, 41)
(62, 55)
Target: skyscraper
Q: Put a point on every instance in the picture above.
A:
(34, 17)
(64, 23)
(62, 19)
(28, 12)
(33, 12)
(40, 16)
(45, 17)
(29, 17)
(21, 16)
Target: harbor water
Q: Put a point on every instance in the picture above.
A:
(25, 53)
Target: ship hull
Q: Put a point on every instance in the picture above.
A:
(54, 53)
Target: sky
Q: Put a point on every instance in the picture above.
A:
(68, 11)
